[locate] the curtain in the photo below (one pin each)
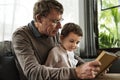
(13, 14)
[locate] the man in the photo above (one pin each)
(32, 43)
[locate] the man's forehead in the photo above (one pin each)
(54, 14)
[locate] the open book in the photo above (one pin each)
(106, 59)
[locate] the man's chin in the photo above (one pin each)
(51, 35)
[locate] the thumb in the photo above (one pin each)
(95, 63)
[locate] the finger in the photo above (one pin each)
(95, 63)
(94, 73)
(87, 76)
(96, 69)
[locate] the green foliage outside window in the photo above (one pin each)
(109, 25)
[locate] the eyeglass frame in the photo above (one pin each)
(55, 21)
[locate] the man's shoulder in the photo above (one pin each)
(24, 31)
(21, 29)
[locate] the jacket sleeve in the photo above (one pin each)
(80, 60)
(30, 66)
(52, 59)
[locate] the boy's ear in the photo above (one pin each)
(61, 37)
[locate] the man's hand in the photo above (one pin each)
(88, 70)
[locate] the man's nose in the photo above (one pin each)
(59, 25)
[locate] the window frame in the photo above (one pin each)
(97, 30)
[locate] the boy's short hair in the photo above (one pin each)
(71, 27)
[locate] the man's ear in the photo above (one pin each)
(38, 18)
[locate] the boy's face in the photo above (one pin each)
(70, 42)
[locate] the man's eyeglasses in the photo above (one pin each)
(55, 21)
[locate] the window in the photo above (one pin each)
(71, 14)
(109, 24)
(109, 4)
(13, 14)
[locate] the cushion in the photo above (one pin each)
(115, 68)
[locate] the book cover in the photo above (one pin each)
(106, 59)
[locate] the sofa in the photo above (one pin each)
(9, 71)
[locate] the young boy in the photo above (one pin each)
(63, 54)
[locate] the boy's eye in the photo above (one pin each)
(77, 42)
(71, 41)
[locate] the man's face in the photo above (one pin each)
(71, 41)
(51, 23)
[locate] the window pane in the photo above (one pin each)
(14, 13)
(106, 4)
(109, 25)
(71, 11)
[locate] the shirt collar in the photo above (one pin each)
(35, 30)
